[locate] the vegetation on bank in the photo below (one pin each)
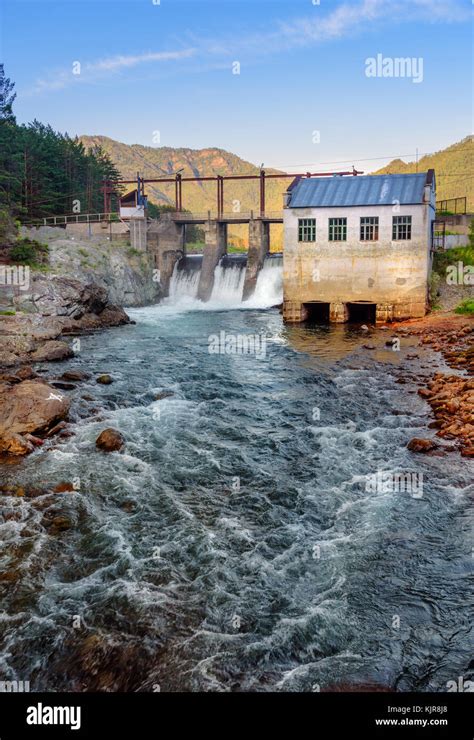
(466, 307)
(43, 172)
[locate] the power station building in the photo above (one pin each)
(358, 247)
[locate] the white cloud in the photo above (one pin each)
(91, 71)
(343, 21)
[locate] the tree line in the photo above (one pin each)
(47, 173)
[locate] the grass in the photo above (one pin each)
(8, 312)
(466, 307)
(442, 260)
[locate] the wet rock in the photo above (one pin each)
(163, 394)
(75, 376)
(57, 524)
(56, 429)
(63, 386)
(30, 407)
(52, 351)
(129, 506)
(104, 379)
(421, 445)
(63, 487)
(110, 440)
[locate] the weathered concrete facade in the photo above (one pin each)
(215, 247)
(259, 246)
(392, 274)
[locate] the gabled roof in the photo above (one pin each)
(365, 190)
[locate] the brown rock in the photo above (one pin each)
(30, 407)
(63, 487)
(74, 375)
(52, 351)
(110, 440)
(421, 445)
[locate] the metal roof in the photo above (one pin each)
(365, 190)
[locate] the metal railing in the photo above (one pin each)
(452, 205)
(226, 216)
(78, 218)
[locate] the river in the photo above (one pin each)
(235, 543)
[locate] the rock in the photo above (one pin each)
(36, 441)
(63, 487)
(421, 445)
(104, 379)
(30, 407)
(75, 376)
(63, 386)
(369, 346)
(52, 351)
(57, 428)
(15, 444)
(163, 394)
(364, 327)
(57, 524)
(26, 373)
(110, 440)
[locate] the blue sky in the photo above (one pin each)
(168, 67)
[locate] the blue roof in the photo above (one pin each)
(365, 190)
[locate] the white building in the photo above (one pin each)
(358, 247)
(132, 205)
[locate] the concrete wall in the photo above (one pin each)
(165, 242)
(392, 274)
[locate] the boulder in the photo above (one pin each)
(110, 440)
(104, 379)
(52, 351)
(421, 445)
(30, 407)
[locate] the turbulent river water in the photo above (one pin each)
(235, 544)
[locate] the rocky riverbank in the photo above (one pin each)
(451, 396)
(81, 288)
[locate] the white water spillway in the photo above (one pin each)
(229, 278)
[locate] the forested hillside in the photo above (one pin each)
(43, 172)
(454, 168)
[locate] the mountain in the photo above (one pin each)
(153, 162)
(454, 167)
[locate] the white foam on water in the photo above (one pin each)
(227, 290)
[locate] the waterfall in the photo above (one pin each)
(229, 279)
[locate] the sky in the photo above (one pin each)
(292, 84)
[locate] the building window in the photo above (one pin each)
(306, 229)
(337, 229)
(401, 228)
(369, 228)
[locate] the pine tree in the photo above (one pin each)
(7, 96)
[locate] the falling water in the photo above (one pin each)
(229, 280)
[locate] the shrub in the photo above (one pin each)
(466, 307)
(29, 252)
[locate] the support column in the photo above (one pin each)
(338, 313)
(166, 244)
(138, 234)
(215, 248)
(259, 245)
(294, 312)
